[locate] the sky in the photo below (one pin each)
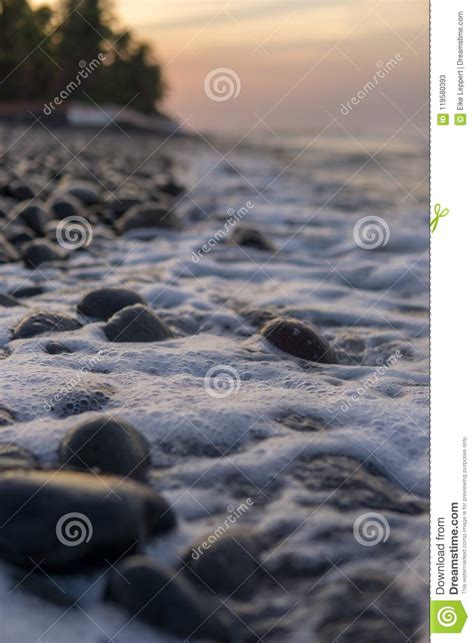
(291, 64)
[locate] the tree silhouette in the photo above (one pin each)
(43, 51)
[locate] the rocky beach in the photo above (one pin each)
(214, 401)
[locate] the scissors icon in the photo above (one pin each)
(439, 214)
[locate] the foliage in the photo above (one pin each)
(42, 51)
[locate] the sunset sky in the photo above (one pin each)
(296, 60)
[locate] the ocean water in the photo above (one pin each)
(349, 225)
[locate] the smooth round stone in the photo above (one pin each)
(33, 214)
(7, 301)
(298, 339)
(56, 348)
(35, 253)
(163, 598)
(18, 234)
(105, 302)
(147, 215)
(170, 187)
(68, 520)
(44, 322)
(20, 190)
(26, 292)
(136, 324)
(109, 445)
(13, 456)
(251, 238)
(227, 565)
(65, 205)
(84, 191)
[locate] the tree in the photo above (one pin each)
(81, 31)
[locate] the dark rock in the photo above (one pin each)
(33, 214)
(170, 187)
(147, 215)
(298, 339)
(13, 456)
(80, 400)
(136, 324)
(18, 234)
(84, 191)
(25, 292)
(105, 302)
(348, 486)
(44, 322)
(44, 513)
(252, 238)
(35, 253)
(109, 445)
(169, 601)
(366, 604)
(20, 190)
(123, 201)
(6, 416)
(7, 301)
(65, 205)
(227, 564)
(56, 348)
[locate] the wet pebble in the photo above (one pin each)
(298, 339)
(44, 513)
(226, 564)
(102, 303)
(56, 348)
(251, 238)
(109, 445)
(166, 599)
(44, 322)
(33, 214)
(147, 215)
(37, 252)
(136, 324)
